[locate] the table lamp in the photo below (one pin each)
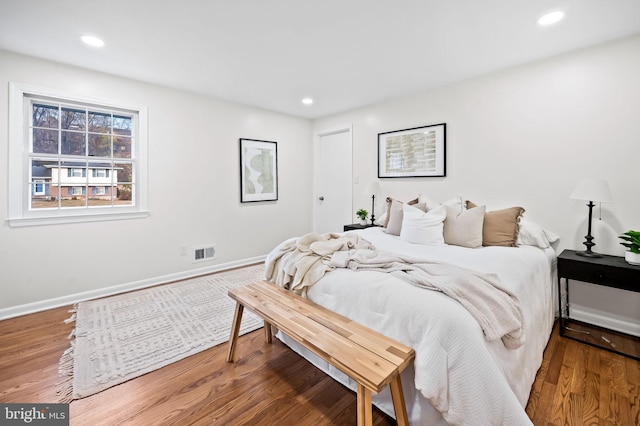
(591, 190)
(372, 189)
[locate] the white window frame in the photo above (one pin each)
(19, 165)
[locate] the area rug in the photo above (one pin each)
(122, 337)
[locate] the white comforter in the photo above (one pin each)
(458, 377)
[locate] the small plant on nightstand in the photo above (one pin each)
(362, 214)
(632, 242)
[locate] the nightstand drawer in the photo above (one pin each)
(596, 274)
(609, 271)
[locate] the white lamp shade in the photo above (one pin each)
(590, 189)
(373, 188)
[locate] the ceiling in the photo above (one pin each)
(271, 53)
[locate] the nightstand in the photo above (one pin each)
(607, 271)
(356, 226)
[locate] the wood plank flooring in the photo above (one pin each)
(270, 384)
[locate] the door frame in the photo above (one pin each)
(316, 166)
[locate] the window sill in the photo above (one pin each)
(58, 220)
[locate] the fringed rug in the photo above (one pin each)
(125, 336)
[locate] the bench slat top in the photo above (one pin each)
(368, 357)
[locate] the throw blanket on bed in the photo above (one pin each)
(298, 263)
(494, 307)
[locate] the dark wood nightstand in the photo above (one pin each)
(607, 271)
(356, 226)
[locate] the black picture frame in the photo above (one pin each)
(258, 170)
(414, 152)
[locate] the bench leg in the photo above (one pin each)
(365, 413)
(267, 332)
(235, 330)
(398, 401)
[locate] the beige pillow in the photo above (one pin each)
(464, 228)
(500, 227)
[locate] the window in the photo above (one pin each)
(74, 160)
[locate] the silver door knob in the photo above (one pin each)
(321, 198)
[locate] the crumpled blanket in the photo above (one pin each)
(298, 263)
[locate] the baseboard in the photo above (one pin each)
(30, 308)
(605, 319)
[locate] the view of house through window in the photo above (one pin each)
(80, 156)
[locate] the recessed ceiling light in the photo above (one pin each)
(92, 41)
(307, 101)
(551, 18)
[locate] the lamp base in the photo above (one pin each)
(588, 254)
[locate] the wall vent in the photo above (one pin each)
(204, 253)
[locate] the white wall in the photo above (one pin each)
(194, 192)
(525, 136)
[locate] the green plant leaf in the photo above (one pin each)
(632, 239)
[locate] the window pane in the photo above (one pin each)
(73, 196)
(124, 195)
(99, 122)
(45, 141)
(121, 125)
(72, 143)
(99, 145)
(124, 176)
(121, 147)
(124, 172)
(43, 193)
(73, 119)
(100, 195)
(45, 116)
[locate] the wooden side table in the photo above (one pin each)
(607, 271)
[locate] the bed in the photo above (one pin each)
(459, 376)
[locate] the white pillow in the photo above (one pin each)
(382, 220)
(427, 202)
(532, 234)
(456, 202)
(394, 222)
(423, 228)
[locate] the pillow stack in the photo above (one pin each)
(460, 223)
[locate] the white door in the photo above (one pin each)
(333, 181)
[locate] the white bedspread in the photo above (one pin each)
(458, 377)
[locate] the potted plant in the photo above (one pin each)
(632, 242)
(362, 214)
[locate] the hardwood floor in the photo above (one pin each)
(270, 384)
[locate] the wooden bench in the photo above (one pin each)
(371, 359)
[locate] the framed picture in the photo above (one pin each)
(416, 152)
(258, 170)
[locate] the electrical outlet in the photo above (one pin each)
(183, 250)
